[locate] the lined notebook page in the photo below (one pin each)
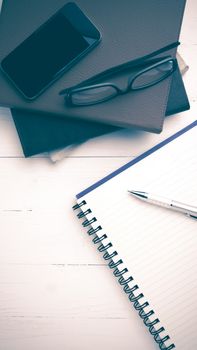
(157, 245)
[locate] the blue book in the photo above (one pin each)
(40, 132)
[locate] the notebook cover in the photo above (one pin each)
(136, 160)
(130, 29)
(39, 132)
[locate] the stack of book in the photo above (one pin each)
(130, 30)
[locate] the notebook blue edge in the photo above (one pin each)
(136, 160)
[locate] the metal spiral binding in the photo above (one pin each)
(135, 299)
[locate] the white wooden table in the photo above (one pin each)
(55, 290)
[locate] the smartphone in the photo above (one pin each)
(52, 49)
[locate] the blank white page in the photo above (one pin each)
(157, 245)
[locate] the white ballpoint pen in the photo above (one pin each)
(187, 209)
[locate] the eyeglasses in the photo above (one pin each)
(99, 93)
(148, 74)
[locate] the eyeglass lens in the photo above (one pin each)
(103, 93)
(153, 75)
(93, 95)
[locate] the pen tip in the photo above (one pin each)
(138, 194)
(134, 191)
(131, 191)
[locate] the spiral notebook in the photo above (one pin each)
(151, 250)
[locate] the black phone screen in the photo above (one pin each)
(52, 48)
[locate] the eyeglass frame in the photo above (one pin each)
(119, 68)
(129, 87)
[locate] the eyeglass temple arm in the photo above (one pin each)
(120, 67)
